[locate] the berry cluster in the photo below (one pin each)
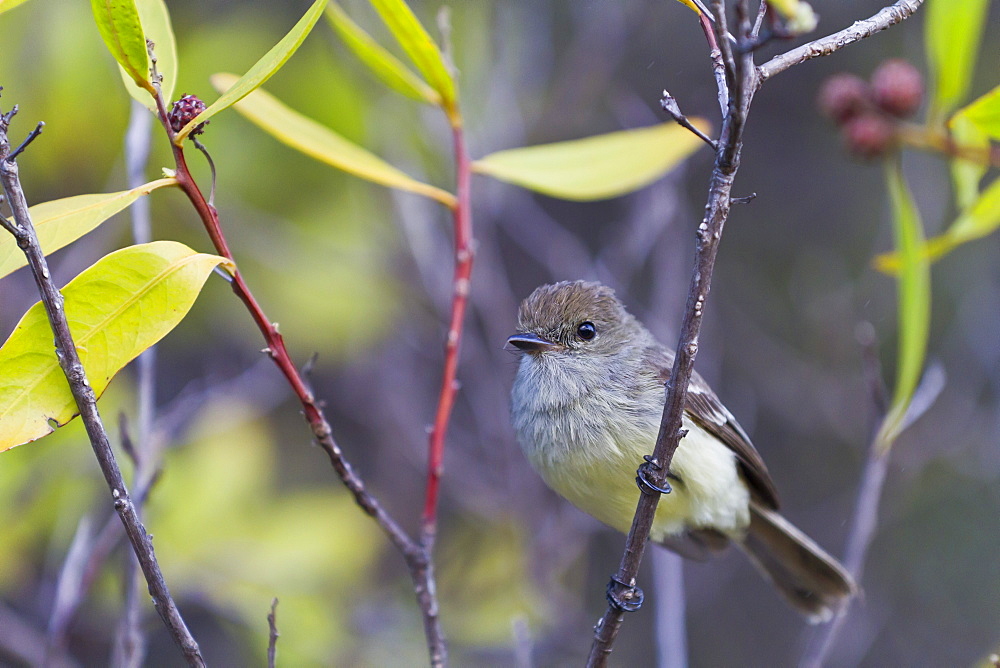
(868, 113)
(184, 110)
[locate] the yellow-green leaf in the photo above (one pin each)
(967, 174)
(119, 25)
(914, 304)
(952, 31)
(799, 16)
(595, 167)
(977, 221)
(421, 49)
(157, 28)
(63, 221)
(320, 142)
(123, 304)
(9, 4)
(383, 64)
(984, 113)
(262, 70)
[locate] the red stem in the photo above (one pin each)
(417, 554)
(462, 213)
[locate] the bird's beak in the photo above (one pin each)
(531, 343)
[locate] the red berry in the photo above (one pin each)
(870, 135)
(184, 110)
(899, 88)
(843, 96)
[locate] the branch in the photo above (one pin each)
(742, 81)
(709, 235)
(415, 554)
(86, 402)
(272, 634)
(886, 18)
(864, 522)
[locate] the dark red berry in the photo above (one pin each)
(899, 88)
(844, 96)
(870, 135)
(184, 110)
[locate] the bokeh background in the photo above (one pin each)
(246, 509)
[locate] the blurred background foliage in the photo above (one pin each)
(246, 509)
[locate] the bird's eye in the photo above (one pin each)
(586, 330)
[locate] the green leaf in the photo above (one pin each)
(117, 308)
(595, 167)
(977, 221)
(799, 16)
(63, 221)
(118, 23)
(262, 70)
(156, 25)
(980, 219)
(953, 30)
(967, 174)
(914, 304)
(984, 113)
(383, 64)
(320, 142)
(9, 4)
(421, 49)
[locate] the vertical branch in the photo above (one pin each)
(741, 81)
(129, 644)
(462, 214)
(86, 401)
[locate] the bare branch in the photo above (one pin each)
(887, 17)
(742, 81)
(86, 401)
(272, 634)
(866, 509)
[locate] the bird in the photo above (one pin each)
(586, 404)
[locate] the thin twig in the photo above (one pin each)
(86, 402)
(130, 644)
(69, 590)
(669, 104)
(671, 631)
(887, 17)
(272, 634)
(27, 140)
(864, 521)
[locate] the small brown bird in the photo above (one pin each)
(586, 406)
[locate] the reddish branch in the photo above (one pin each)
(416, 553)
(462, 213)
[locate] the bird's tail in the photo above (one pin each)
(813, 582)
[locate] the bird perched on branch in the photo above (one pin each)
(586, 406)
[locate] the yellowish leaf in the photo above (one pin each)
(383, 64)
(119, 25)
(914, 305)
(262, 70)
(596, 167)
(421, 49)
(118, 307)
(322, 143)
(156, 26)
(63, 221)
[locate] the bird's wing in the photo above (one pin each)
(705, 409)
